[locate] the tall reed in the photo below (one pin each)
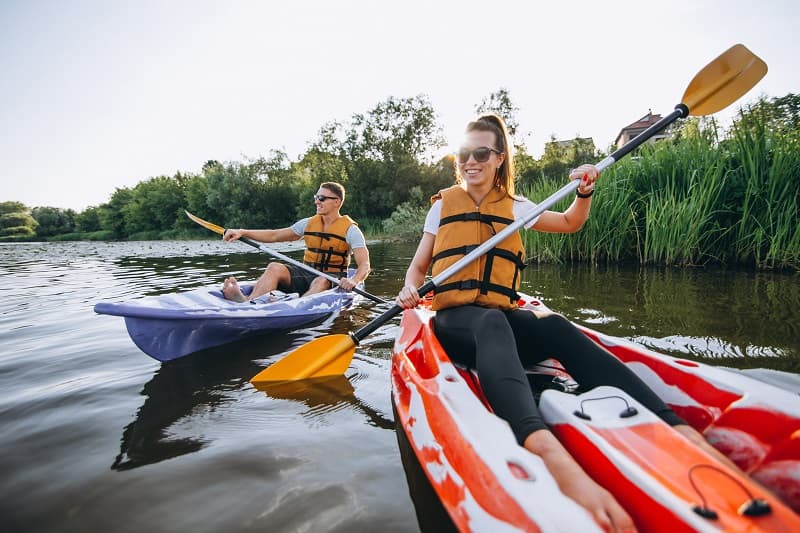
(682, 203)
(692, 200)
(766, 165)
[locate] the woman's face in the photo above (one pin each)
(477, 173)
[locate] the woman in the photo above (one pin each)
(477, 319)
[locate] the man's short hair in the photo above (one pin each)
(335, 188)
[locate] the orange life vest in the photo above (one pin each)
(491, 280)
(327, 249)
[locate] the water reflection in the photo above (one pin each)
(209, 379)
(179, 387)
(324, 395)
(738, 318)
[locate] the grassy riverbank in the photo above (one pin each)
(692, 201)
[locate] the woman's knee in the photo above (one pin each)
(557, 323)
(492, 320)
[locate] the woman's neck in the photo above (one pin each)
(479, 192)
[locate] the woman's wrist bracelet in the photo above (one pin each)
(580, 194)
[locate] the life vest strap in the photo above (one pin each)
(475, 215)
(328, 252)
(326, 236)
(470, 284)
(459, 250)
(326, 267)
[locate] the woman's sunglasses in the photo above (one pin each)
(481, 154)
(322, 197)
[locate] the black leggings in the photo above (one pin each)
(499, 344)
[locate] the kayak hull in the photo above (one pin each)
(484, 484)
(175, 325)
(474, 464)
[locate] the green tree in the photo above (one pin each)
(13, 207)
(238, 193)
(528, 168)
(779, 114)
(384, 153)
(195, 191)
(16, 222)
(398, 127)
(53, 221)
(275, 175)
(314, 167)
(88, 220)
(112, 216)
(155, 204)
(501, 104)
(561, 156)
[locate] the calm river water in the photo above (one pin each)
(96, 436)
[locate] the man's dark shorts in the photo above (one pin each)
(302, 278)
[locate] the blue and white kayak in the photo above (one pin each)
(174, 325)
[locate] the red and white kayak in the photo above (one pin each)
(487, 482)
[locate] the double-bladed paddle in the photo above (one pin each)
(716, 86)
(266, 249)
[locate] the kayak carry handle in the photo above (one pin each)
(628, 412)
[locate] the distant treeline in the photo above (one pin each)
(702, 196)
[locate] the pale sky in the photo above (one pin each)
(101, 94)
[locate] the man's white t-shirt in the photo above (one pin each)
(522, 206)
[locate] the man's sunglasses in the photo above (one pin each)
(481, 154)
(322, 197)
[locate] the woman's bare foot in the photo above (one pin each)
(576, 483)
(231, 290)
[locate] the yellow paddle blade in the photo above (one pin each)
(206, 224)
(723, 81)
(326, 356)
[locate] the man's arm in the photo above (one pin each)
(262, 235)
(361, 255)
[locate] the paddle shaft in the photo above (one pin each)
(679, 112)
(335, 281)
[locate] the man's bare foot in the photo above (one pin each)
(231, 290)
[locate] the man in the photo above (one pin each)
(330, 238)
